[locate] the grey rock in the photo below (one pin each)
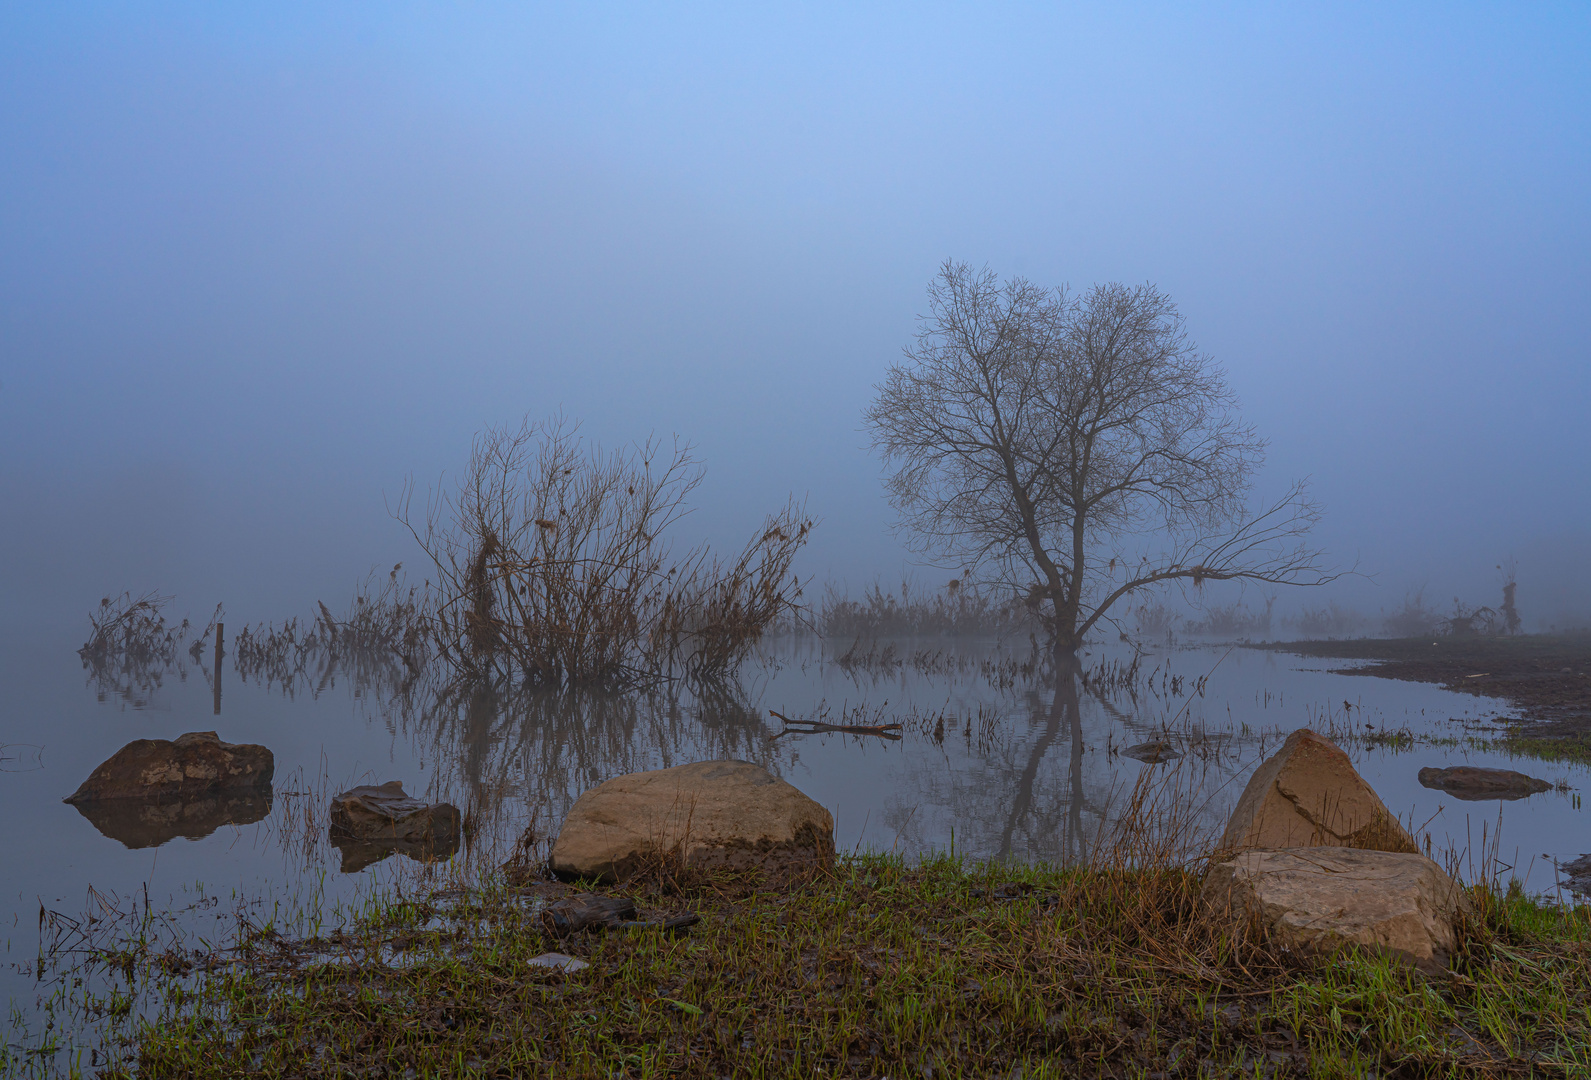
(385, 812)
(1152, 753)
(1475, 784)
(372, 821)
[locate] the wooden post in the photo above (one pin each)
(220, 632)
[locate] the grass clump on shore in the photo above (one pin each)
(879, 968)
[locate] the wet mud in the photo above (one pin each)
(1546, 677)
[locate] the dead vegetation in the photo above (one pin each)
(380, 643)
(960, 609)
(555, 567)
(132, 649)
(1113, 967)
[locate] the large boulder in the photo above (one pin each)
(1307, 794)
(1474, 784)
(195, 764)
(1321, 899)
(710, 815)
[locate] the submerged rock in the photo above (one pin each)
(708, 815)
(1475, 784)
(1152, 753)
(143, 823)
(1577, 875)
(195, 764)
(372, 821)
(1308, 794)
(1321, 899)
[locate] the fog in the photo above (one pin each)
(258, 268)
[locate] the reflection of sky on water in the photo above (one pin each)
(992, 770)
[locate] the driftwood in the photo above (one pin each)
(815, 727)
(586, 911)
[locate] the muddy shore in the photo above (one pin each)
(1545, 677)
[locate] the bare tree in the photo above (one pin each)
(1078, 449)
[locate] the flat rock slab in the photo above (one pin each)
(1308, 794)
(384, 813)
(1475, 784)
(1321, 899)
(709, 815)
(195, 764)
(145, 823)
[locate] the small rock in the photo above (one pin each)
(384, 812)
(1307, 794)
(711, 814)
(195, 764)
(558, 961)
(1320, 899)
(1577, 875)
(145, 823)
(1152, 753)
(1475, 784)
(370, 822)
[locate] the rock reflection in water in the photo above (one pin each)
(142, 823)
(359, 854)
(541, 749)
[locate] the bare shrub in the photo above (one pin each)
(1154, 618)
(555, 568)
(1467, 621)
(1234, 620)
(960, 609)
(1331, 621)
(133, 630)
(380, 644)
(1413, 619)
(131, 647)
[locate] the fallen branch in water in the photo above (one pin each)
(815, 727)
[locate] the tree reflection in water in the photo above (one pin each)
(509, 755)
(527, 754)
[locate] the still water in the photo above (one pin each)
(988, 763)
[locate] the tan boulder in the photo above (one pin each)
(1308, 794)
(711, 814)
(1321, 899)
(195, 764)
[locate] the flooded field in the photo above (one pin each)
(990, 761)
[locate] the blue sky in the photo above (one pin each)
(260, 264)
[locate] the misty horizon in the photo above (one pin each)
(260, 271)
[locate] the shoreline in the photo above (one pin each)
(1546, 678)
(871, 968)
